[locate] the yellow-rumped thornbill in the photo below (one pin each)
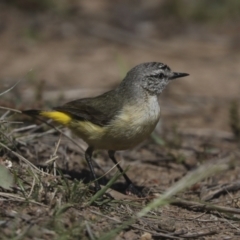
(119, 119)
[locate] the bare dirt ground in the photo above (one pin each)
(74, 58)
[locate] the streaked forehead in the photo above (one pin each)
(150, 67)
(156, 66)
(165, 67)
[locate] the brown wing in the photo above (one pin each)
(99, 110)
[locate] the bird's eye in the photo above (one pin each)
(161, 75)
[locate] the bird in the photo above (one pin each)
(118, 119)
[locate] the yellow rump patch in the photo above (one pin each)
(56, 116)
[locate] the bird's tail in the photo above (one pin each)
(32, 112)
(56, 116)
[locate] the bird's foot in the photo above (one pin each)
(132, 190)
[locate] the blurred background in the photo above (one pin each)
(67, 49)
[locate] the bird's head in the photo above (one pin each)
(153, 76)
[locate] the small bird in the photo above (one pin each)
(118, 119)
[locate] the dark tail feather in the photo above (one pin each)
(32, 112)
(35, 114)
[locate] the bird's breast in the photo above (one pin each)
(134, 122)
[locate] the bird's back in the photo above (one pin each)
(99, 110)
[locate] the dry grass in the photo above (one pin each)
(52, 196)
(190, 173)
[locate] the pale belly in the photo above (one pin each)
(127, 137)
(131, 127)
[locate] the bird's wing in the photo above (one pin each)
(98, 110)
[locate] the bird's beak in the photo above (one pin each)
(178, 75)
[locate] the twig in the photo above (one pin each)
(18, 198)
(35, 135)
(23, 128)
(199, 234)
(200, 215)
(203, 206)
(109, 170)
(31, 190)
(226, 220)
(205, 132)
(39, 126)
(10, 122)
(136, 227)
(51, 159)
(4, 115)
(9, 89)
(55, 155)
(23, 158)
(217, 190)
(10, 109)
(89, 231)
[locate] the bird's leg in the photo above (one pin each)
(131, 188)
(111, 155)
(88, 156)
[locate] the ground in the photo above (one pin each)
(199, 127)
